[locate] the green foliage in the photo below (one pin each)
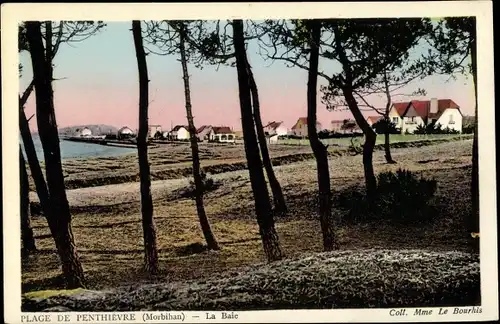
(383, 126)
(401, 197)
(158, 135)
(434, 128)
(452, 40)
(468, 129)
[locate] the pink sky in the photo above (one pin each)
(103, 89)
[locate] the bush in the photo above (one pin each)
(383, 126)
(433, 128)
(401, 197)
(189, 192)
(468, 129)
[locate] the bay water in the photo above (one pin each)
(71, 150)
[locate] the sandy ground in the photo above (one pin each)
(108, 233)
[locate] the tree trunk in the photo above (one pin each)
(278, 197)
(387, 144)
(319, 150)
(474, 222)
(368, 146)
(198, 182)
(370, 135)
(60, 217)
(34, 164)
(26, 231)
(263, 211)
(387, 148)
(150, 249)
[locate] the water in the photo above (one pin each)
(70, 150)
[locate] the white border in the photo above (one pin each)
(13, 13)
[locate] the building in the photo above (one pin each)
(300, 127)
(409, 115)
(345, 126)
(179, 132)
(125, 132)
(84, 132)
(275, 128)
(223, 134)
(205, 133)
(153, 129)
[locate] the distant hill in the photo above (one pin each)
(99, 129)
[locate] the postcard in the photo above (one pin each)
(249, 162)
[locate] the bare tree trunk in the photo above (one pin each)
(265, 218)
(474, 222)
(387, 144)
(279, 199)
(60, 217)
(150, 248)
(198, 182)
(27, 237)
(370, 135)
(319, 150)
(368, 146)
(36, 171)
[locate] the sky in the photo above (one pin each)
(98, 84)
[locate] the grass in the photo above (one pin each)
(108, 233)
(173, 161)
(394, 138)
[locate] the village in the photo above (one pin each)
(252, 165)
(406, 118)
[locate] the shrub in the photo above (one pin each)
(189, 191)
(433, 128)
(383, 126)
(401, 197)
(331, 280)
(468, 129)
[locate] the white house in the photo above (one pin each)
(223, 134)
(84, 132)
(276, 128)
(300, 127)
(179, 132)
(409, 115)
(125, 132)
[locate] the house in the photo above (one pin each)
(275, 128)
(223, 134)
(153, 129)
(409, 115)
(300, 127)
(205, 133)
(179, 132)
(125, 132)
(345, 126)
(84, 132)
